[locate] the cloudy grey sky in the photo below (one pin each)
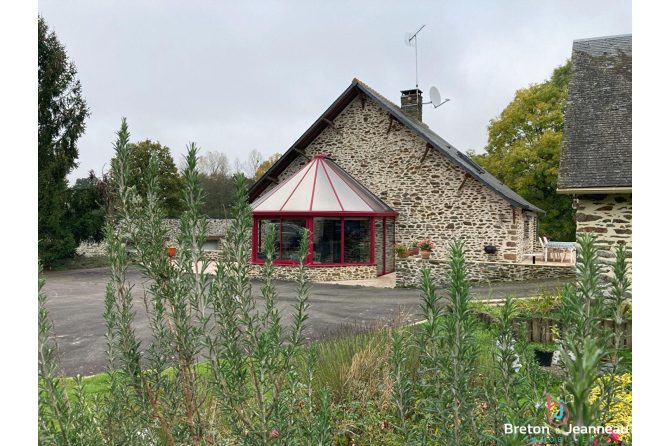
(237, 76)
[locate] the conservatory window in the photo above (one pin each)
(327, 240)
(357, 239)
(288, 234)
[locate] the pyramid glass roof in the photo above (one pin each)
(320, 187)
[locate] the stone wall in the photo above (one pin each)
(610, 219)
(434, 198)
(215, 228)
(408, 271)
(320, 273)
(92, 249)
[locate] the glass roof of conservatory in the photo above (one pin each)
(321, 186)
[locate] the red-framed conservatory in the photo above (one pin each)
(348, 224)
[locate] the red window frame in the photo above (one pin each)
(310, 226)
(255, 241)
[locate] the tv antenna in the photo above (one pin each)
(413, 40)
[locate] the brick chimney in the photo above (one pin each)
(411, 103)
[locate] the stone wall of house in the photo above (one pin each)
(408, 271)
(215, 228)
(610, 219)
(434, 198)
(318, 274)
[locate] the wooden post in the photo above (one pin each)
(536, 330)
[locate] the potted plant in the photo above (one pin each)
(401, 251)
(538, 310)
(544, 356)
(425, 247)
(413, 249)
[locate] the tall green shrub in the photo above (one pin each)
(449, 353)
(220, 367)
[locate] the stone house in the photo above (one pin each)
(437, 192)
(596, 152)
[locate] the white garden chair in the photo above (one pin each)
(549, 251)
(543, 243)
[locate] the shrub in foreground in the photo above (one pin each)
(223, 369)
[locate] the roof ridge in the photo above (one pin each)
(397, 107)
(356, 80)
(587, 39)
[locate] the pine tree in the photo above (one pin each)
(62, 112)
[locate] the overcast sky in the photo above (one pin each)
(255, 75)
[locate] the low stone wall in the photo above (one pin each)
(408, 271)
(89, 249)
(319, 273)
(215, 228)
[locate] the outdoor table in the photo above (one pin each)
(563, 245)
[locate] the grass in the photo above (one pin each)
(98, 384)
(95, 385)
(352, 361)
(77, 262)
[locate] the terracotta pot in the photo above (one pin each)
(415, 251)
(425, 254)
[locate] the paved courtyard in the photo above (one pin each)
(76, 304)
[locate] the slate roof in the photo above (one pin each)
(597, 137)
(352, 93)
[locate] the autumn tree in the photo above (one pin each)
(169, 181)
(524, 148)
(265, 165)
(61, 116)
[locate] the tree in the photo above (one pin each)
(250, 166)
(169, 181)
(214, 164)
(524, 148)
(85, 214)
(219, 194)
(62, 112)
(265, 165)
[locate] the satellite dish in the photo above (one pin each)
(436, 97)
(408, 39)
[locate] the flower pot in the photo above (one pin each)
(543, 357)
(415, 251)
(425, 254)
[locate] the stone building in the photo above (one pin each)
(438, 192)
(596, 153)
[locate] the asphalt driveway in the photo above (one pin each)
(76, 304)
